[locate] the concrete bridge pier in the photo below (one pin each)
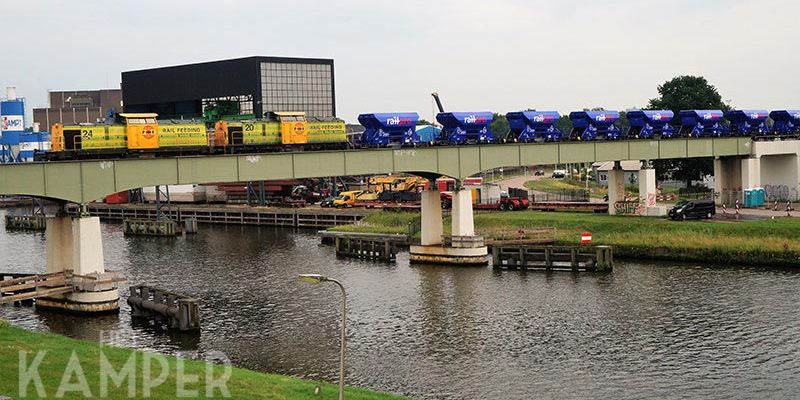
(645, 204)
(734, 174)
(75, 243)
(616, 188)
(462, 246)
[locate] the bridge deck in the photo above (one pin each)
(88, 180)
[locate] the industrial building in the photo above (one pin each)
(252, 85)
(78, 106)
(16, 143)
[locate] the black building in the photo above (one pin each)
(258, 84)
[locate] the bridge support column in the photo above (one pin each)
(431, 230)
(462, 221)
(616, 187)
(76, 244)
(648, 193)
(462, 247)
(732, 175)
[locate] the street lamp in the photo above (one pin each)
(317, 278)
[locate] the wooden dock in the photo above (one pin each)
(16, 288)
(575, 258)
(230, 215)
(174, 310)
(368, 246)
(36, 222)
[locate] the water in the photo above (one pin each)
(655, 330)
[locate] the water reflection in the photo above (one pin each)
(646, 330)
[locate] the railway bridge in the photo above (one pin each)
(74, 244)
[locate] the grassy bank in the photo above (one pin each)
(766, 242)
(243, 384)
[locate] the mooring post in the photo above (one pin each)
(573, 255)
(604, 256)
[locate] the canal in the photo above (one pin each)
(656, 330)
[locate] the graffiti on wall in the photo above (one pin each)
(627, 207)
(780, 193)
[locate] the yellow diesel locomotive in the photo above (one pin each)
(137, 134)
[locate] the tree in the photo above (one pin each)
(423, 121)
(686, 93)
(499, 126)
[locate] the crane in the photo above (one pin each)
(438, 101)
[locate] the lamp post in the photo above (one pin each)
(317, 278)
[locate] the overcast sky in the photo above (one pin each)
(498, 55)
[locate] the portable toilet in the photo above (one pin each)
(749, 201)
(649, 124)
(590, 125)
(382, 129)
(533, 126)
(748, 122)
(785, 122)
(761, 197)
(465, 127)
(702, 123)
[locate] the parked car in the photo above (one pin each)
(538, 172)
(327, 202)
(559, 174)
(693, 209)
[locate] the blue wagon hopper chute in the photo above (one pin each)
(785, 122)
(591, 125)
(748, 122)
(381, 129)
(702, 123)
(533, 126)
(465, 127)
(648, 124)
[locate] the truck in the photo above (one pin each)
(490, 197)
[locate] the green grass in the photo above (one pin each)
(550, 185)
(243, 384)
(765, 242)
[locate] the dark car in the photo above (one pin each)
(327, 202)
(693, 209)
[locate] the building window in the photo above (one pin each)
(297, 87)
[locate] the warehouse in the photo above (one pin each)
(252, 85)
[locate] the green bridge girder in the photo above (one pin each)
(88, 180)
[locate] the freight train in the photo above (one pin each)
(137, 135)
(143, 135)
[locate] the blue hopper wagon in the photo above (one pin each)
(785, 122)
(696, 123)
(591, 125)
(748, 122)
(533, 126)
(465, 127)
(649, 124)
(383, 129)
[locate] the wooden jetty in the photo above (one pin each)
(575, 258)
(16, 288)
(176, 311)
(369, 246)
(36, 222)
(229, 215)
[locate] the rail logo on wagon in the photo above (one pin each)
(600, 118)
(398, 121)
(471, 119)
(148, 131)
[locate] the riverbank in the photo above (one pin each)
(199, 377)
(770, 242)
